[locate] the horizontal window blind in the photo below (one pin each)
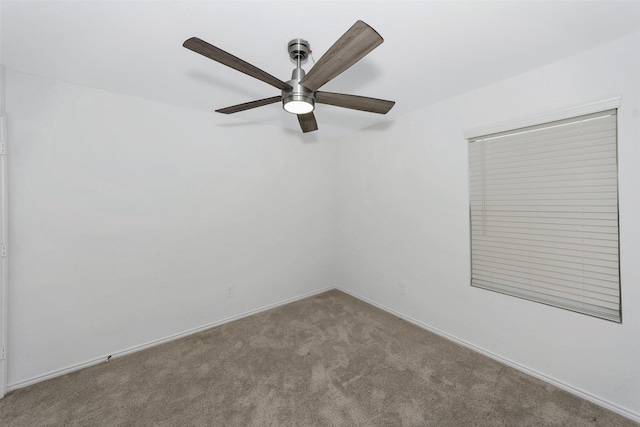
(544, 214)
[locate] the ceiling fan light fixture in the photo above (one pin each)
(298, 103)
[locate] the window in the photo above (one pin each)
(544, 213)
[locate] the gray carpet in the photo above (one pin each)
(328, 360)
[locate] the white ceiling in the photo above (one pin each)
(432, 50)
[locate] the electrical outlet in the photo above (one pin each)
(230, 291)
(403, 289)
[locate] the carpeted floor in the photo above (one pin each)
(328, 360)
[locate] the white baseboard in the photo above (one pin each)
(564, 386)
(159, 341)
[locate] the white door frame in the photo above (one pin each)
(3, 253)
(3, 237)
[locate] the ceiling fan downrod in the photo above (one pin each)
(298, 100)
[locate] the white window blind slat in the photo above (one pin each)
(570, 280)
(548, 127)
(552, 244)
(557, 143)
(555, 209)
(557, 216)
(575, 142)
(553, 143)
(549, 289)
(593, 226)
(602, 226)
(588, 171)
(539, 250)
(531, 145)
(546, 257)
(563, 157)
(604, 310)
(558, 167)
(576, 187)
(559, 203)
(500, 196)
(543, 179)
(552, 151)
(609, 274)
(583, 306)
(524, 233)
(542, 239)
(544, 214)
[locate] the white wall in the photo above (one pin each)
(129, 217)
(404, 218)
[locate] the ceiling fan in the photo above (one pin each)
(300, 94)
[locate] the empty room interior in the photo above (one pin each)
(448, 233)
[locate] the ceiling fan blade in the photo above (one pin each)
(359, 40)
(307, 122)
(219, 55)
(355, 102)
(249, 105)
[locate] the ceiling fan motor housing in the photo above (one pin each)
(298, 100)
